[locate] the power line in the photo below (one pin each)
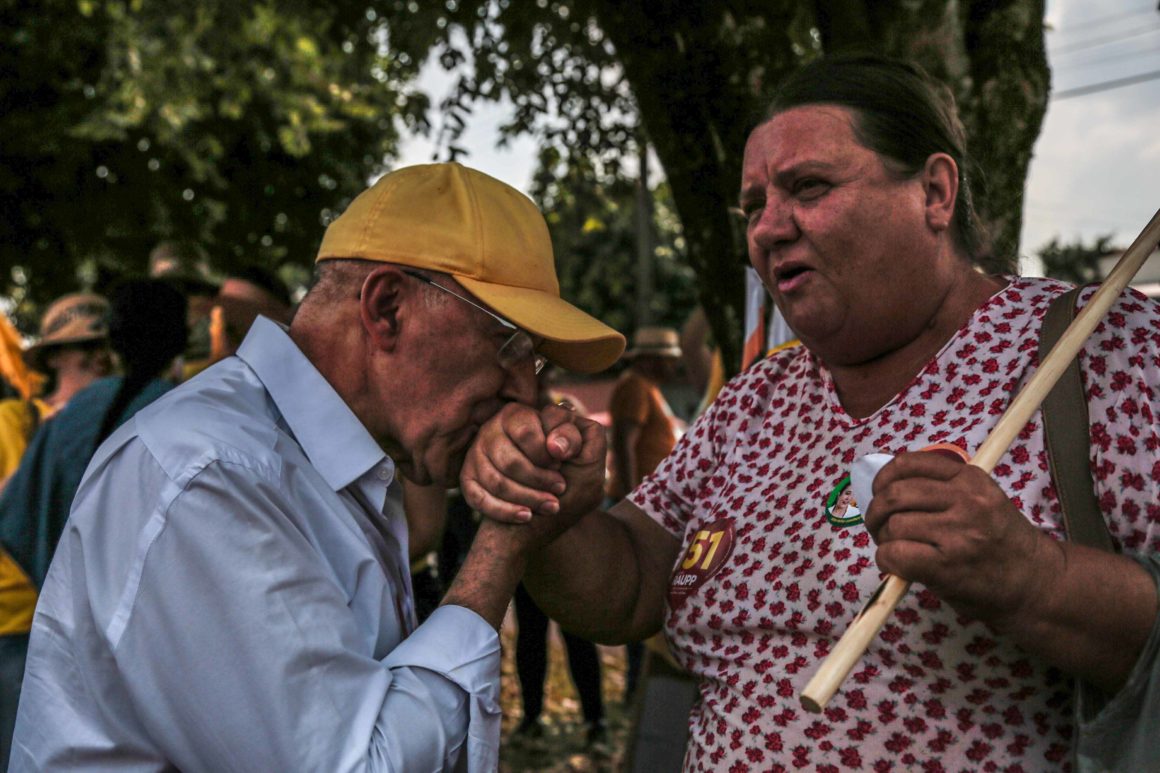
(1106, 85)
(1085, 25)
(1099, 41)
(1085, 63)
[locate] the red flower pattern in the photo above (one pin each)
(935, 691)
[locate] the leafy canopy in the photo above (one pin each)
(240, 127)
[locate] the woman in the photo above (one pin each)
(859, 221)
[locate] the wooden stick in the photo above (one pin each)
(853, 644)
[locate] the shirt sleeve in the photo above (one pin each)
(240, 648)
(1120, 734)
(697, 466)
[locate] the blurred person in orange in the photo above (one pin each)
(644, 430)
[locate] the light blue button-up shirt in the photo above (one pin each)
(232, 594)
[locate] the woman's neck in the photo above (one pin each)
(865, 387)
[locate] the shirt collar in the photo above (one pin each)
(331, 436)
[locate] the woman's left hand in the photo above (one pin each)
(949, 526)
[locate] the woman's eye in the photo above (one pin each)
(810, 187)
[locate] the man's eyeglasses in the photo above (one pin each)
(519, 347)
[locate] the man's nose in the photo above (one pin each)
(520, 383)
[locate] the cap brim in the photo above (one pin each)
(572, 339)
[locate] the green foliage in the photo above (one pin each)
(592, 214)
(243, 126)
(587, 77)
(237, 126)
(551, 59)
(1076, 261)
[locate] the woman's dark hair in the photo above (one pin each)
(147, 329)
(900, 113)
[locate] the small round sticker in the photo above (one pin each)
(841, 507)
(707, 553)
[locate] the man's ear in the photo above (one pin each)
(940, 181)
(380, 303)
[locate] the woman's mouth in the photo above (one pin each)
(791, 278)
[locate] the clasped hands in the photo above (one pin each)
(540, 468)
(935, 520)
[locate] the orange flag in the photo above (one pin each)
(12, 367)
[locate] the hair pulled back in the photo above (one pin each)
(900, 113)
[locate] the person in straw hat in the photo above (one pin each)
(643, 430)
(73, 351)
(249, 607)
(643, 426)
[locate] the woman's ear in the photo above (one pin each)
(940, 181)
(380, 303)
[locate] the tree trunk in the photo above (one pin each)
(1005, 109)
(701, 73)
(698, 94)
(992, 56)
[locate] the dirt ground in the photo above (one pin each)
(562, 749)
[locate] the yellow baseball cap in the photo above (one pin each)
(487, 235)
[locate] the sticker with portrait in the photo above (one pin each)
(841, 507)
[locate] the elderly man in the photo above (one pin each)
(232, 590)
(859, 221)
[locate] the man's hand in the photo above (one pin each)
(548, 461)
(949, 526)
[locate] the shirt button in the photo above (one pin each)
(384, 474)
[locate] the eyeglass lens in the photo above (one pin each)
(518, 349)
